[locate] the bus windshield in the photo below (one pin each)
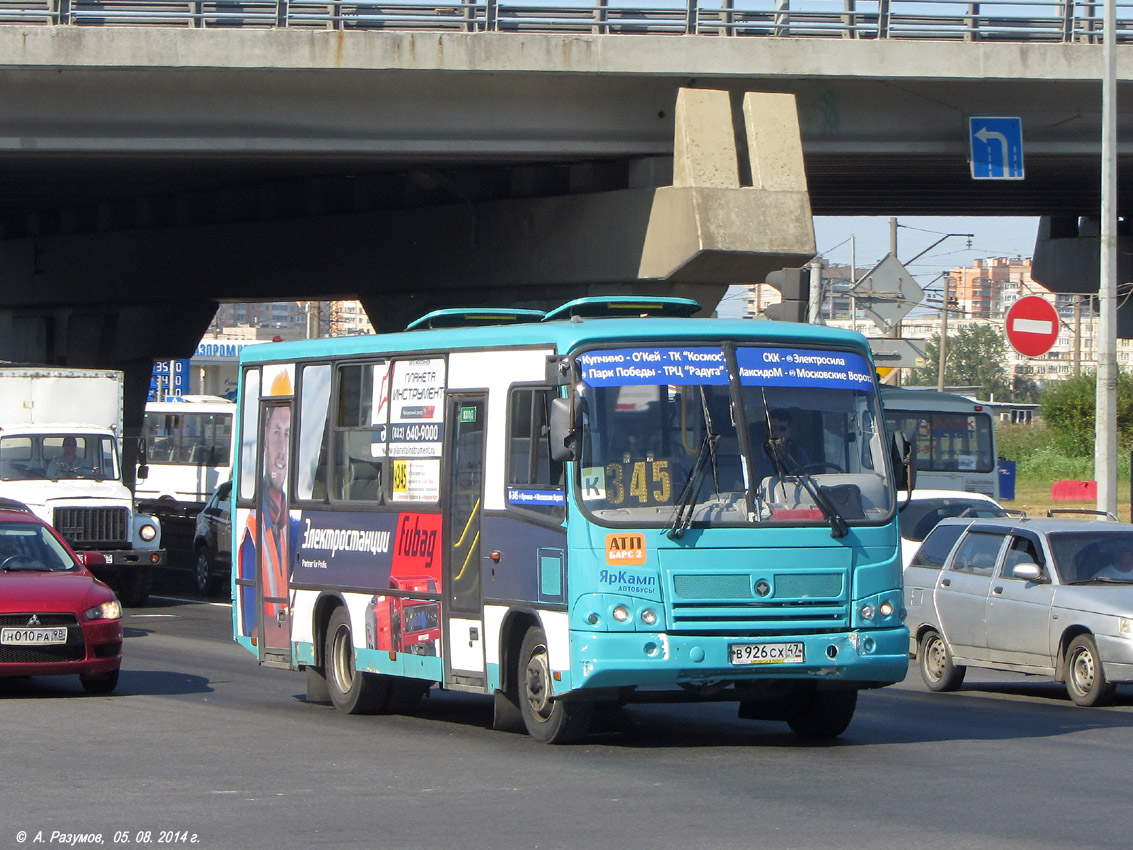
(727, 435)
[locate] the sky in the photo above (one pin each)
(866, 239)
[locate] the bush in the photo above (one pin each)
(1035, 450)
(1068, 409)
(1019, 442)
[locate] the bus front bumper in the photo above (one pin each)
(622, 659)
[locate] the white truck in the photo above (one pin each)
(60, 454)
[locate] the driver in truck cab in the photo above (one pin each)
(68, 463)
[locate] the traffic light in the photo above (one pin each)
(794, 286)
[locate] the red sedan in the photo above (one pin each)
(55, 617)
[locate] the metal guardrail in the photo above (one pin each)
(940, 20)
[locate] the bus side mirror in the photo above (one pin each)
(143, 472)
(561, 431)
(904, 456)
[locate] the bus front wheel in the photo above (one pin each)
(350, 690)
(826, 715)
(549, 720)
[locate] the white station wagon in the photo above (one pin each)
(1050, 597)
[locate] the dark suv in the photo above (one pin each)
(212, 541)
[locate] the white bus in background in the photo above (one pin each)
(188, 451)
(954, 436)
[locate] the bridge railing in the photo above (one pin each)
(943, 20)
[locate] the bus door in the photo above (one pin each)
(463, 620)
(275, 533)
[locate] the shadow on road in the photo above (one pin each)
(896, 716)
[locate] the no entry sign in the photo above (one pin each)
(1032, 326)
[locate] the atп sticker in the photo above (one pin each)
(625, 549)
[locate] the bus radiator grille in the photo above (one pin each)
(798, 602)
(785, 586)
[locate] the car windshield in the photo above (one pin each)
(30, 547)
(1083, 557)
(922, 515)
(708, 434)
(57, 456)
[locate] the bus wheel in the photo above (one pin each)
(404, 694)
(549, 720)
(350, 690)
(826, 715)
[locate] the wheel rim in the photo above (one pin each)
(342, 658)
(202, 570)
(536, 683)
(935, 658)
(1083, 670)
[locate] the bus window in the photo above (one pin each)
(359, 434)
(535, 482)
(313, 445)
(648, 446)
(248, 436)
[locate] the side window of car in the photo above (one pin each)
(1020, 551)
(934, 551)
(977, 553)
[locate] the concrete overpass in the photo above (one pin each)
(149, 171)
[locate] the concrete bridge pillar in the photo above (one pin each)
(723, 219)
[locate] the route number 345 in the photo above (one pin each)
(644, 482)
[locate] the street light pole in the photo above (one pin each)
(1105, 418)
(943, 335)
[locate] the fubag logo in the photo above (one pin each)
(625, 549)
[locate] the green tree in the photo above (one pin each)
(976, 357)
(1068, 409)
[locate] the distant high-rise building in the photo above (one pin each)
(306, 318)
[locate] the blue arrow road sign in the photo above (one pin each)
(996, 148)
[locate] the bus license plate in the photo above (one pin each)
(766, 653)
(33, 637)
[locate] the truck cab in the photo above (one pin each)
(70, 476)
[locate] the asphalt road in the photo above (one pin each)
(200, 747)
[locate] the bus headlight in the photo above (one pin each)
(886, 608)
(867, 612)
(649, 616)
(621, 614)
(147, 532)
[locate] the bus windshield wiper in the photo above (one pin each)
(682, 515)
(777, 449)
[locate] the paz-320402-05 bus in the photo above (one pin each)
(608, 503)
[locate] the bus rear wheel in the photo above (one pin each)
(350, 690)
(548, 720)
